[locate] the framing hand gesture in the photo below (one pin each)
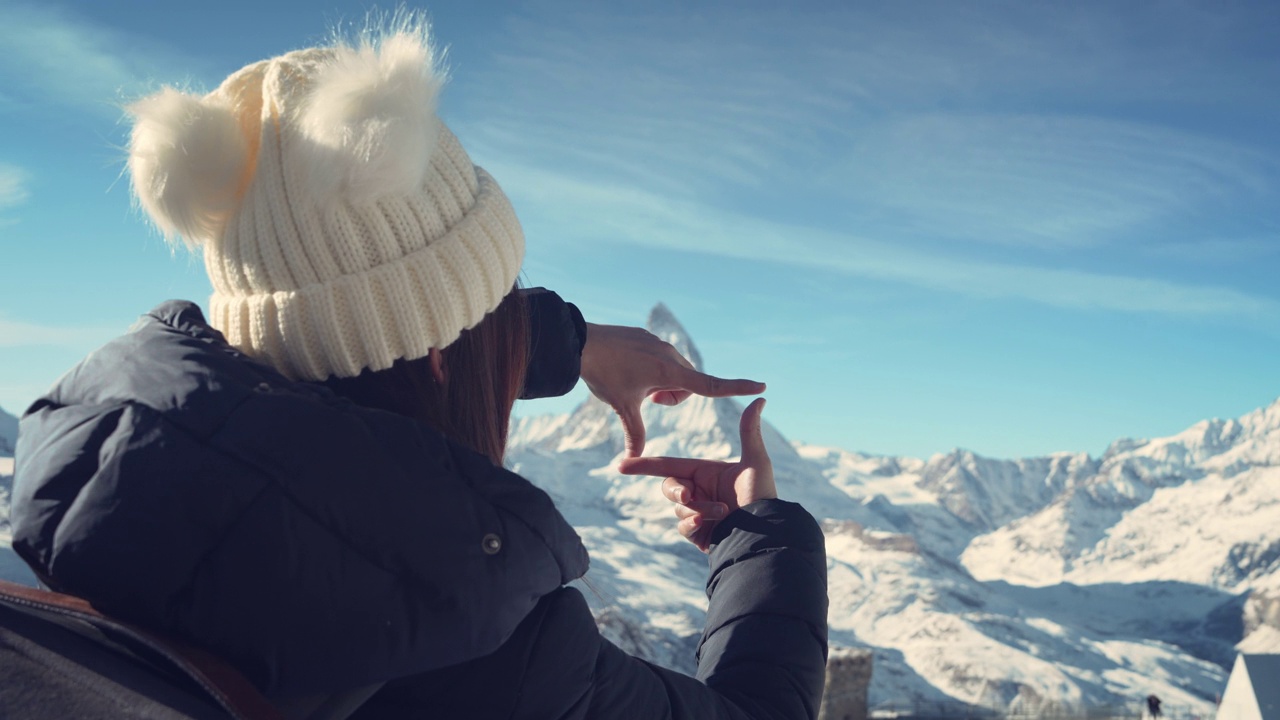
(624, 365)
(706, 491)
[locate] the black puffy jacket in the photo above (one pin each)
(319, 545)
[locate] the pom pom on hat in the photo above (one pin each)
(344, 227)
(370, 119)
(187, 158)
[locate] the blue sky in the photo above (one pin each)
(1013, 227)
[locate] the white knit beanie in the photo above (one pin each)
(343, 225)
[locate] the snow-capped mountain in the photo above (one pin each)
(8, 438)
(1199, 507)
(6, 489)
(1061, 580)
(8, 433)
(12, 568)
(1015, 584)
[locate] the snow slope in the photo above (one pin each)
(8, 433)
(12, 568)
(990, 582)
(1198, 507)
(1016, 584)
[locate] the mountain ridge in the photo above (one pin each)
(1003, 583)
(1020, 584)
(8, 433)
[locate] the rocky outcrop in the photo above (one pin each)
(848, 677)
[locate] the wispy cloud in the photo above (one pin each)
(13, 190)
(1043, 180)
(991, 152)
(918, 130)
(15, 333)
(53, 56)
(1223, 250)
(589, 211)
(1074, 56)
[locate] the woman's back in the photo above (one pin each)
(310, 541)
(310, 486)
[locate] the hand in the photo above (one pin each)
(624, 365)
(706, 491)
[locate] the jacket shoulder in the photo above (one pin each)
(181, 485)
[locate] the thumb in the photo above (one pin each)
(632, 427)
(753, 451)
(669, 397)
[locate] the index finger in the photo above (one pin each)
(662, 466)
(712, 386)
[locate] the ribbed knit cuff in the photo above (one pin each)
(400, 309)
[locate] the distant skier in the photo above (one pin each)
(1153, 706)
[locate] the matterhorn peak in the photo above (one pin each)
(665, 325)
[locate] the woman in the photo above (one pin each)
(310, 485)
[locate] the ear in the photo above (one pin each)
(436, 358)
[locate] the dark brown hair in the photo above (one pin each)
(484, 373)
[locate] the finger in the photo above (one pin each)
(700, 536)
(749, 429)
(707, 509)
(677, 490)
(670, 397)
(690, 525)
(674, 395)
(712, 386)
(632, 427)
(662, 466)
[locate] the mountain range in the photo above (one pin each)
(11, 566)
(1022, 585)
(1057, 581)
(8, 433)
